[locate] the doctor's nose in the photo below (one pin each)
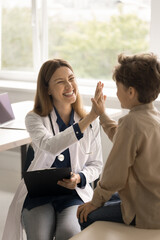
(68, 85)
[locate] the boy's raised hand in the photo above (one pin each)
(98, 102)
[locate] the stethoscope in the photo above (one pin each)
(61, 156)
(95, 140)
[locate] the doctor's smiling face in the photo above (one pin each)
(63, 87)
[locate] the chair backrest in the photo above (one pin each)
(29, 157)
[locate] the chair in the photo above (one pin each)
(29, 157)
(116, 231)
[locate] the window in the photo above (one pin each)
(90, 33)
(16, 35)
(87, 33)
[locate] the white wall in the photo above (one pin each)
(155, 29)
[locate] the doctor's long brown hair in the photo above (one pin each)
(43, 104)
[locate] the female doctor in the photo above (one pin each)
(74, 143)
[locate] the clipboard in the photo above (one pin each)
(44, 182)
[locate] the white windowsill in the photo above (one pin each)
(18, 85)
(85, 89)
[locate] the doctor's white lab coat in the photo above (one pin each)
(85, 156)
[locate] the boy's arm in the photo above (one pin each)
(115, 173)
(109, 125)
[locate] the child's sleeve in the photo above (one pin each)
(116, 169)
(109, 126)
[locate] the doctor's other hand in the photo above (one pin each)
(70, 183)
(84, 210)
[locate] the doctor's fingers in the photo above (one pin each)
(98, 91)
(67, 184)
(73, 179)
(98, 88)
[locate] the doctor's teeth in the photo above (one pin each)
(69, 93)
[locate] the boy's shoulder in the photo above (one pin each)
(128, 119)
(141, 118)
(130, 123)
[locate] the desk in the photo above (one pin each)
(14, 134)
(11, 138)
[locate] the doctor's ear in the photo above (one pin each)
(49, 92)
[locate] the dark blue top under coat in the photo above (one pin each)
(63, 201)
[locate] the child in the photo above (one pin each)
(132, 170)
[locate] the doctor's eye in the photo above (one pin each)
(71, 79)
(59, 82)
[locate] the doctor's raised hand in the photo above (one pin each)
(98, 107)
(98, 102)
(73, 142)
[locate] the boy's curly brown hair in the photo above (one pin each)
(141, 71)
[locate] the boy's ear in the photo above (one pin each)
(132, 92)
